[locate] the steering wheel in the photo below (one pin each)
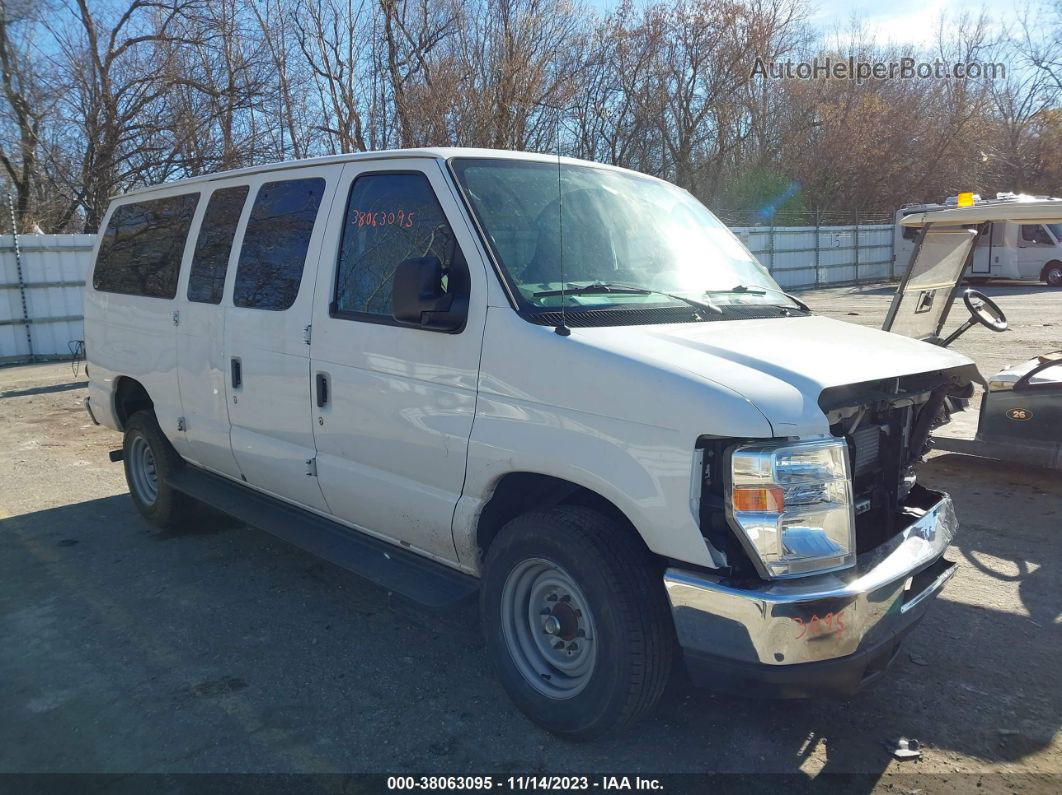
(984, 310)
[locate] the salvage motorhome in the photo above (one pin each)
(1002, 250)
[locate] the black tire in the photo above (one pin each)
(168, 508)
(1052, 274)
(630, 619)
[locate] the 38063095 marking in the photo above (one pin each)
(522, 783)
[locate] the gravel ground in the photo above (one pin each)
(219, 649)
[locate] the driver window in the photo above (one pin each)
(1034, 233)
(391, 217)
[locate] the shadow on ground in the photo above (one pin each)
(224, 650)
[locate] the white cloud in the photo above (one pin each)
(912, 22)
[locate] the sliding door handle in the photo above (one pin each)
(322, 390)
(237, 372)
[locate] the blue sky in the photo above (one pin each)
(899, 21)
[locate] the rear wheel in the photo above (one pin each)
(576, 621)
(1053, 274)
(149, 459)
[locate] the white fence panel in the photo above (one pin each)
(53, 274)
(813, 256)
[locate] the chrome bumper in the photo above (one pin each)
(814, 619)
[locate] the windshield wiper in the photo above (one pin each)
(758, 290)
(740, 288)
(589, 289)
(598, 288)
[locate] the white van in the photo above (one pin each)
(1003, 250)
(563, 386)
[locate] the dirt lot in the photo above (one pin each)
(219, 649)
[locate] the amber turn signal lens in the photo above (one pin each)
(749, 499)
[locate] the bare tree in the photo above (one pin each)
(412, 30)
(24, 110)
(114, 95)
(221, 81)
(119, 93)
(334, 37)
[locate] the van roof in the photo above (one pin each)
(432, 153)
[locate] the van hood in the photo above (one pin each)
(781, 365)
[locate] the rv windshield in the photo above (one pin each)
(618, 239)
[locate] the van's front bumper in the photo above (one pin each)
(824, 635)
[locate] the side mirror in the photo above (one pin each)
(418, 297)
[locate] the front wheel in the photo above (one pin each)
(576, 621)
(1053, 274)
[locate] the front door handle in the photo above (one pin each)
(322, 390)
(237, 373)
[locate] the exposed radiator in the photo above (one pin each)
(866, 442)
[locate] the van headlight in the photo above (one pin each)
(791, 505)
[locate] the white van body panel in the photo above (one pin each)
(995, 251)
(780, 365)
(393, 436)
(272, 427)
(136, 337)
(202, 367)
(572, 409)
(619, 410)
(1032, 256)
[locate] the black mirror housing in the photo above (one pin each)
(418, 297)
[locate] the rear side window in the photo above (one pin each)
(275, 243)
(206, 281)
(141, 248)
(390, 218)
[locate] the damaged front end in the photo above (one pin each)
(887, 424)
(757, 625)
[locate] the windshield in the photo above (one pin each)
(614, 239)
(1056, 230)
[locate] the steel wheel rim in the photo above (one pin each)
(1054, 276)
(548, 628)
(142, 470)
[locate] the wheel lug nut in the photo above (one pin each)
(551, 626)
